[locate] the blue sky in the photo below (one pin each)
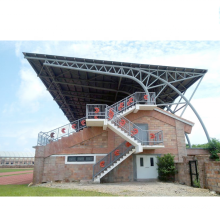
(27, 108)
(163, 32)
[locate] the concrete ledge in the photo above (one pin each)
(152, 147)
(196, 151)
(95, 122)
(145, 107)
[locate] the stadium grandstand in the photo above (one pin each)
(15, 159)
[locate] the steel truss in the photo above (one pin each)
(143, 76)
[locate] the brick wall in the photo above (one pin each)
(122, 173)
(212, 170)
(209, 172)
(173, 132)
(183, 175)
(94, 140)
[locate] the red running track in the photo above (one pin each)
(17, 179)
(10, 173)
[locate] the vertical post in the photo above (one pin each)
(190, 171)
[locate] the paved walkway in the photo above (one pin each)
(17, 179)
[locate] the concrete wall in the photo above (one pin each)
(94, 140)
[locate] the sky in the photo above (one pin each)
(27, 108)
(188, 36)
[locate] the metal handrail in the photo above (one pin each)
(153, 136)
(131, 100)
(45, 138)
(111, 158)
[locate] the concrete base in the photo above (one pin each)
(95, 122)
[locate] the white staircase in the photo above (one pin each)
(125, 136)
(111, 167)
(112, 117)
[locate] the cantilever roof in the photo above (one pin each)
(72, 89)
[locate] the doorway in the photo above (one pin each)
(146, 167)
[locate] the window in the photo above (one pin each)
(141, 161)
(152, 161)
(80, 158)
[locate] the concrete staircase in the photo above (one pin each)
(111, 167)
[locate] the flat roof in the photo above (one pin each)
(72, 89)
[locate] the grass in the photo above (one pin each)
(6, 170)
(24, 190)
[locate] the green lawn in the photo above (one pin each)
(24, 190)
(6, 170)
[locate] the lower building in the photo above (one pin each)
(93, 153)
(13, 159)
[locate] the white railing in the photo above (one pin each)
(144, 137)
(97, 111)
(45, 138)
(136, 98)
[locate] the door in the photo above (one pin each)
(146, 167)
(142, 133)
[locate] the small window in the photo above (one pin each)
(152, 161)
(80, 158)
(141, 161)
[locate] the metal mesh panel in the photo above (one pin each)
(95, 111)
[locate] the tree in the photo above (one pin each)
(214, 148)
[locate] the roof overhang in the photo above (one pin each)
(72, 88)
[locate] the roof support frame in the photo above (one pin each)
(128, 72)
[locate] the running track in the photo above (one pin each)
(17, 179)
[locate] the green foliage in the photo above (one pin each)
(196, 183)
(166, 168)
(198, 145)
(24, 190)
(214, 148)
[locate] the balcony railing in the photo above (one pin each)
(136, 98)
(45, 138)
(97, 111)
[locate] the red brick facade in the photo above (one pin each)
(50, 164)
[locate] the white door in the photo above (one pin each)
(146, 167)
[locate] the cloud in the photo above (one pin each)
(31, 89)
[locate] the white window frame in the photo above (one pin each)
(92, 162)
